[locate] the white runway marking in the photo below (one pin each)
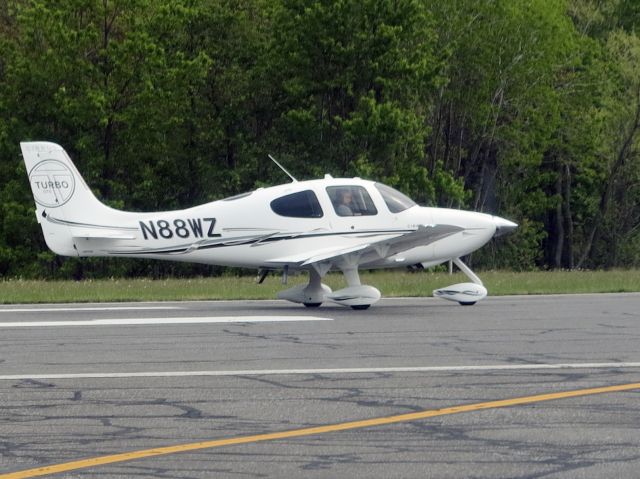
(265, 372)
(152, 321)
(101, 308)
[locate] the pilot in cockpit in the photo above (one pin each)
(345, 203)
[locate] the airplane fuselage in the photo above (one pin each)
(245, 231)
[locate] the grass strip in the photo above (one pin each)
(390, 283)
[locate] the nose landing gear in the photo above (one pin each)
(466, 294)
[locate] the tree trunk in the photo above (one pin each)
(559, 222)
(568, 219)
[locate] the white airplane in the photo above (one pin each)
(314, 226)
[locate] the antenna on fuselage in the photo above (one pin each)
(283, 168)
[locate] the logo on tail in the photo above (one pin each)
(52, 183)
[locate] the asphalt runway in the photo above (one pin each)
(81, 382)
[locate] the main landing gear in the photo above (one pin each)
(355, 295)
(313, 294)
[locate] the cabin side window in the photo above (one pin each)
(351, 201)
(303, 204)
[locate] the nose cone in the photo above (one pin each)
(503, 226)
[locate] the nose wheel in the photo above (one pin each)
(465, 294)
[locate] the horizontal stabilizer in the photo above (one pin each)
(104, 235)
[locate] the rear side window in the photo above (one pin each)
(351, 201)
(303, 204)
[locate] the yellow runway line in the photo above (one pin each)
(161, 451)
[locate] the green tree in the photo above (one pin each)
(529, 109)
(355, 80)
(613, 227)
(90, 76)
(498, 112)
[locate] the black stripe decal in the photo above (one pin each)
(253, 240)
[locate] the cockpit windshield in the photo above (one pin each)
(396, 201)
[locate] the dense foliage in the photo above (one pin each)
(529, 109)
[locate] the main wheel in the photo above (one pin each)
(467, 303)
(361, 306)
(312, 305)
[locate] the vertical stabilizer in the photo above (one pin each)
(64, 202)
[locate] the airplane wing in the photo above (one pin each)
(371, 251)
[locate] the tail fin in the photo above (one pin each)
(65, 206)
